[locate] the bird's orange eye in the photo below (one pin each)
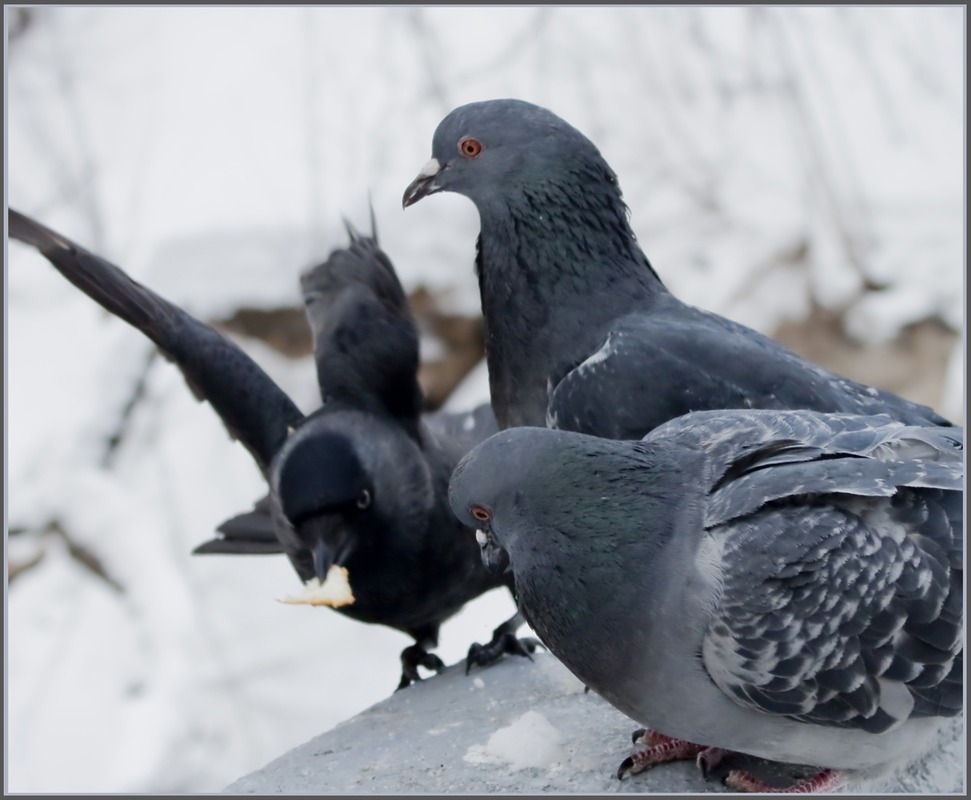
(470, 147)
(480, 513)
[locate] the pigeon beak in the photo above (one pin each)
(423, 185)
(494, 558)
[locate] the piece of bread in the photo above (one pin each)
(335, 591)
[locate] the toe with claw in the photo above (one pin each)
(826, 780)
(504, 642)
(413, 657)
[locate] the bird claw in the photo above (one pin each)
(709, 758)
(413, 657)
(826, 780)
(657, 748)
(503, 642)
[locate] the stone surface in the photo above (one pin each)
(518, 727)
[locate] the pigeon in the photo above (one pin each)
(581, 333)
(781, 584)
(361, 483)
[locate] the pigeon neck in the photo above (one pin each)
(551, 283)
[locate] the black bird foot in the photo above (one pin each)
(503, 642)
(413, 657)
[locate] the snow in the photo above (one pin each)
(771, 158)
(523, 734)
(529, 741)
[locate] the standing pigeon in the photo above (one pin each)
(580, 332)
(782, 584)
(362, 482)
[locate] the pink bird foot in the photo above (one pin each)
(826, 780)
(657, 748)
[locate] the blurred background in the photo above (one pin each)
(799, 170)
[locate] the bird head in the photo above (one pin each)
(326, 495)
(488, 149)
(346, 487)
(490, 490)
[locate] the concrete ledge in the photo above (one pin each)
(518, 727)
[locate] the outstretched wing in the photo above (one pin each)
(365, 339)
(654, 367)
(249, 533)
(853, 540)
(254, 409)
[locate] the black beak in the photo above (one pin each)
(494, 558)
(329, 543)
(323, 558)
(424, 184)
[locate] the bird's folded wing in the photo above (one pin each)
(653, 366)
(770, 456)
(254, 409)
(846, 608)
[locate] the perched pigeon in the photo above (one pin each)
(580, 332)
(785, 584)
(362, 482)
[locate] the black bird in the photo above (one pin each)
(581, 334)
(361, 482)
(786, 584)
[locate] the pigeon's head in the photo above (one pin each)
(346, 492)
(489, 150)
(514, 485)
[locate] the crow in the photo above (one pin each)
(360, 483)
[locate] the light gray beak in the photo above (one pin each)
(423, 185)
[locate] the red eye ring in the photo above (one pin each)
(480, 513)
(469, 147)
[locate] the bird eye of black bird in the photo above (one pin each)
(470, 147)
(480, 513)
(363, 499)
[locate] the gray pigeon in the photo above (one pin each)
(580, 332)
(786, 585)
(361, 482)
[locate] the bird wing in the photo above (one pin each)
(249, 533)
(465, 428)
(365, 340)
(254, 409)
(657, 365)
(840, 564)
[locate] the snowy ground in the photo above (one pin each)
(770, 157)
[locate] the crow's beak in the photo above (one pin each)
(323, 558)
(423, 185)
(329, 543)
